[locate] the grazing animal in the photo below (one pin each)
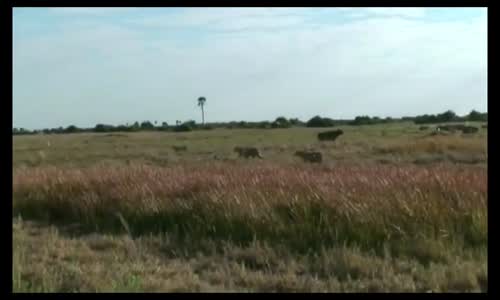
(423, 127)
(330, 135)
(248, 152)
(179, 148)
(310, 156)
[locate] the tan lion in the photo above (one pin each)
(248, 152)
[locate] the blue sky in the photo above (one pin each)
(84, 66)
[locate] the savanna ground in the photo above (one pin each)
(391, 209)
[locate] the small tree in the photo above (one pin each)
(296, 122)
(281, 122)
(362, 120)
(72, 129)
(447, 116)
(190, 123)
(136, 126)
(186, 126)
(476, 116)
(147, 125)
(264, 124)
(102, 128)
(318, 121)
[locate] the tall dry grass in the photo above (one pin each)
(304, 207)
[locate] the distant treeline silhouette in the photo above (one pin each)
(280, 122)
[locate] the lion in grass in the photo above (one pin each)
(248, 152)
(310, 156)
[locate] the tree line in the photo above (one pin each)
(450, 116)
(280, 122)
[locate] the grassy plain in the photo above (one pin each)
(391, 208)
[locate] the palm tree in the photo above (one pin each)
(201, 103)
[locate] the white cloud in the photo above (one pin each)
(405, 12)
(225, 19)
(86, 11)
(377, 66)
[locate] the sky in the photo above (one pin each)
(83, 66)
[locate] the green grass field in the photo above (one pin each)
(391, 209)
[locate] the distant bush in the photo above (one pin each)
(425, 119)
(448, 116)
(232, 125)
(296, 122)
(264, 125)
(318, 121)
(366, 120)
(20, 131)
(163, 127)
(408, 119)
(72, 129)
(103, 128)
(190, 123)
(146, 125)
(187, 126)
(362, 120)
(245, 125)
(182, 128)
(475, 116)
(281, 122)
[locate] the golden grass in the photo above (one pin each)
(391, 209)
(347, 203)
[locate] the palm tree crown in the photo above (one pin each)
(201, 103)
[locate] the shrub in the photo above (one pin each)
(147, 125)
(72, 129)
(318, 121)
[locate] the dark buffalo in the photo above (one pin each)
(330, 135)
